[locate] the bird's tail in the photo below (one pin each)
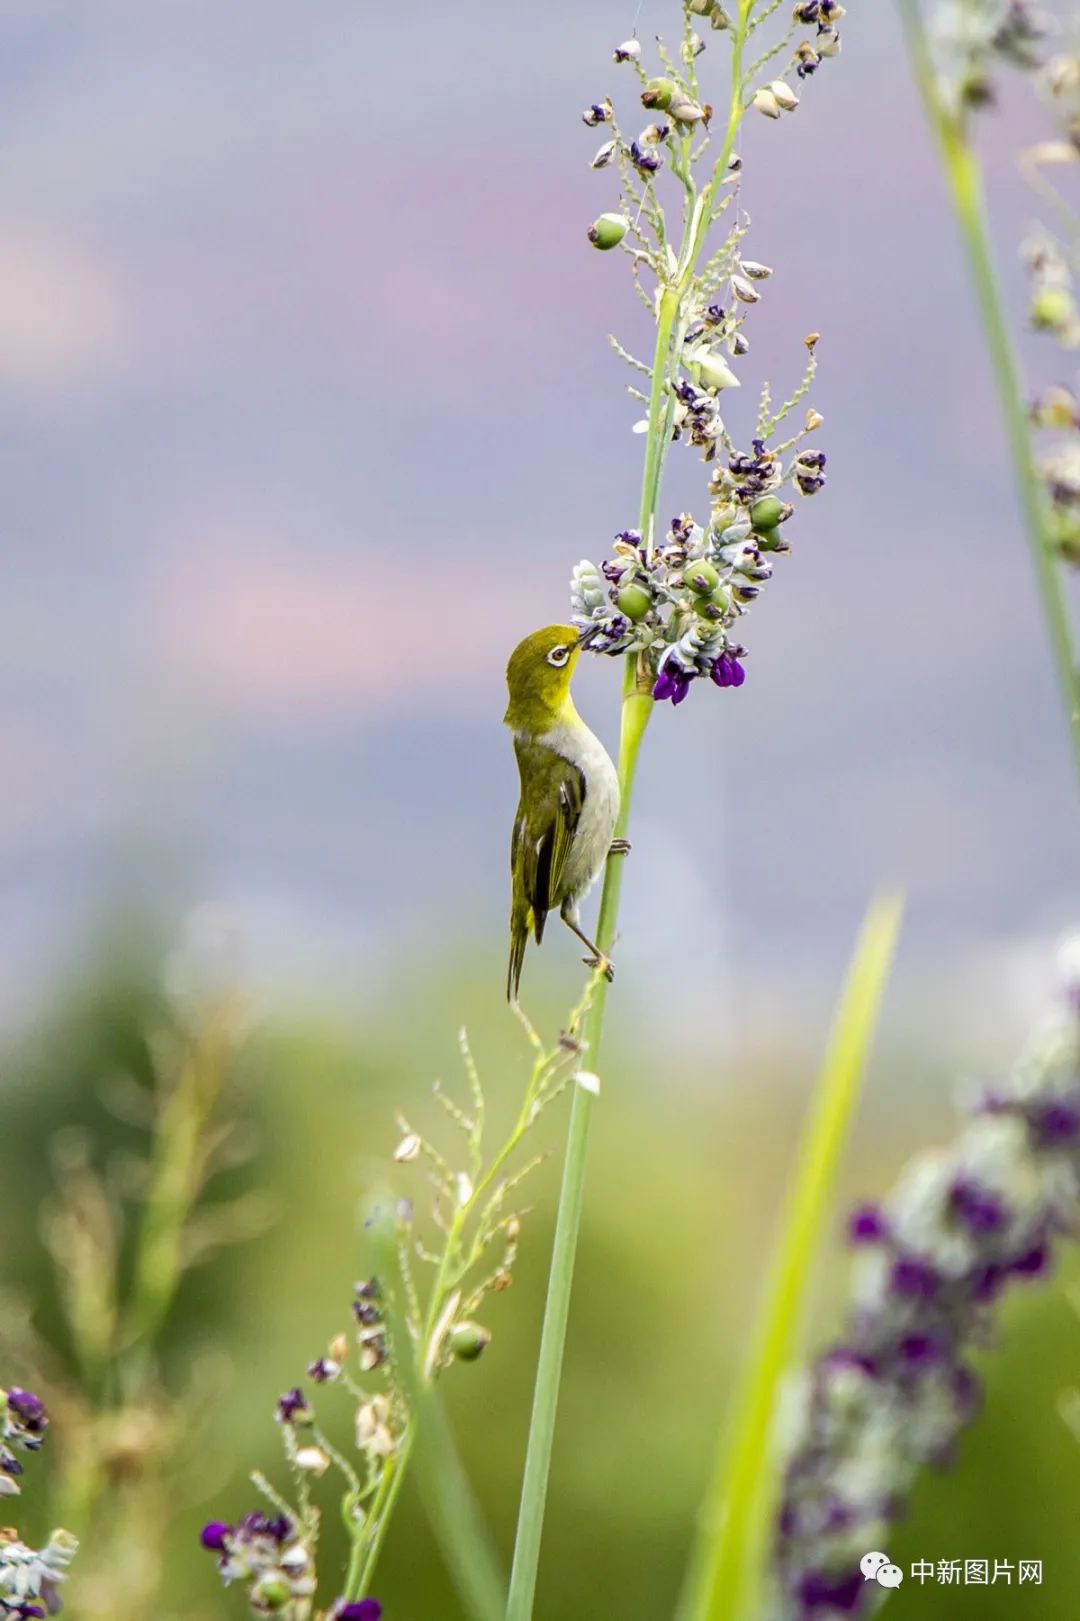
(518, 936)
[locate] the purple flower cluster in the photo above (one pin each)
(893, 1394)
(23, 1423)
(269, 1555)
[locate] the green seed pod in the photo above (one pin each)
(633, 601)
(271, 1591)
(468, 1341)
(701, 577)
(608, 231)
(1052, 308)
(768, 512)
(658, 93)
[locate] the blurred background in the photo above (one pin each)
(306, 411)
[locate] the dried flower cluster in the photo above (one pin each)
(30, 1578)
(961, 1226)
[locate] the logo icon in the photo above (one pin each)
(878, 1567)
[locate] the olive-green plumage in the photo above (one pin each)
(569, 795)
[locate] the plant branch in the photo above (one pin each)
(963, 175)
(636, 710)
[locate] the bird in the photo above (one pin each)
(569, 801)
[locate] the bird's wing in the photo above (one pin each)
(553, 794)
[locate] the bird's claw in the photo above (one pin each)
(620, 847)
(603, 964)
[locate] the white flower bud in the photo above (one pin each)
(604, 155)
(692, 46)
(685, 110)
(786, 99)
(766, 103)
(756, 272)
(712, 369)
(407, 1149)
(312, 1460)
(745, 290)
(628, 51)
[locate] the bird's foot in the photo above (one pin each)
(620, 847)
(603, 964)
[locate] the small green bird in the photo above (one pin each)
(569, 796)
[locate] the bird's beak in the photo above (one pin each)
(588, 635)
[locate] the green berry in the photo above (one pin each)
(768, 512)
(1051, 309)
(272, 1591)
(468, 1341)
(633, 601)
(701, 577)
(658, 93)
(608, 231)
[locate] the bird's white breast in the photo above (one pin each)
(592, 839)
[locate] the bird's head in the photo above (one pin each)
(538, 675)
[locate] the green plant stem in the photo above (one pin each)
(463, 1537)
(637, 707)
(734, 1517)
(963, 175)
(636, 710)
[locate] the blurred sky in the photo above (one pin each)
(306, 411)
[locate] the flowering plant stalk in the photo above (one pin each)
(960, 1227)
(414, 1318)
(954, 71)
(668, 604)
(30, 1578)
(122, 1238)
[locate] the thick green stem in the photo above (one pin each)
(964, 180)
(637, 708)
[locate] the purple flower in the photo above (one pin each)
(867, 1225)
(366, 1609)
(29, 1410)
(919, 1350)
(322, 1370)
(1033, 1263)
(672, 682)
(913, 1278)
(727, 671)
(213, 1534)
(980, 1211)
(291, 1406)
(644, 161)
(1056, 1123)
(822, 1590)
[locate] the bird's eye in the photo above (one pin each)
(558, 656)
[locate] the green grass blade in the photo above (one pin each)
(732, 1529)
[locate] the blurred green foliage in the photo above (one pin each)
(688, 1167)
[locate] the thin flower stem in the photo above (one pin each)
(734, 1516)
(636, 711)
(963, 174)
(637, 707)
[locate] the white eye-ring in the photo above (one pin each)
(558, 656)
